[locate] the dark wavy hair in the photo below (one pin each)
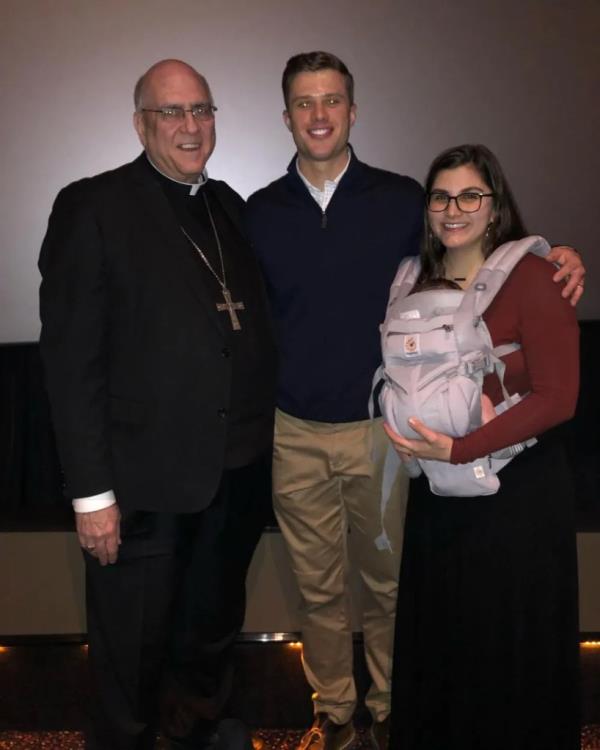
(311, 62)
(507, 224)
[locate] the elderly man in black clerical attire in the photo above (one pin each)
(160, 366)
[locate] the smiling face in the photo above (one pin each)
(458, 229)
(179, 149)
(319, 116)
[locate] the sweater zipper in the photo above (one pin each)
(323, 220)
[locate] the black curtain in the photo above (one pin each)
(584, 432)
(30, 478)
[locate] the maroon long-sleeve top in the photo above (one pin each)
(530, 311)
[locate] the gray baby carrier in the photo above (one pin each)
(436, 351)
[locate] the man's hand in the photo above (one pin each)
(99, 533)
(435, 446)
(571, 270)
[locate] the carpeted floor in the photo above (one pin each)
(44, 688)
(274, 739)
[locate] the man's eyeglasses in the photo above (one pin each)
(468, 202)
(177, 114)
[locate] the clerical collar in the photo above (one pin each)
(193, 186)
(323, 197)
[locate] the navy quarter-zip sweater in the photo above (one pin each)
(328, 276)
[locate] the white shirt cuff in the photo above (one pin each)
(95, 502)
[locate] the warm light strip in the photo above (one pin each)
(3, 649)
(590, 644)
(269, 637)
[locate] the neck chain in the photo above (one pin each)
(229, 305)
(466, 275)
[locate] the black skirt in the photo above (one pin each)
(486, 652)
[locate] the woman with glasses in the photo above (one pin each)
(486, 647)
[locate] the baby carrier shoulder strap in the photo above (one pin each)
(494, 272)
(405, 279)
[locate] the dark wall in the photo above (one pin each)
(30, 478)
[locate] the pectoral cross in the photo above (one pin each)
(231, 308)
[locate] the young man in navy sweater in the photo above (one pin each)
(329, 236)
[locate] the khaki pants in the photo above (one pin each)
(326, 482)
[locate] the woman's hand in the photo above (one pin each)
(435, 446)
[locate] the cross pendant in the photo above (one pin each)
(231, 308)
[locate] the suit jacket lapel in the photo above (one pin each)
(223, 196)
(166, 232)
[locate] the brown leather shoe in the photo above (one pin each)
(325, 734)
(380, 734)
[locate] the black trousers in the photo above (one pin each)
(163, 620)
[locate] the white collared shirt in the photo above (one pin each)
(323, 196)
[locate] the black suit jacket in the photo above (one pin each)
(135, 353)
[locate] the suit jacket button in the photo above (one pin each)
(226, 353)
(222, 413)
